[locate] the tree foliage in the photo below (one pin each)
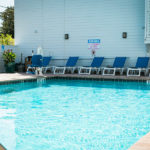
(6, 39)
(7, 17)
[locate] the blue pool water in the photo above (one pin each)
(73, 115)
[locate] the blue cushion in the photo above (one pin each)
(36, 61)
(46, 61)
(97, 62)
(72, 61)
(119, 62)
(142, 62)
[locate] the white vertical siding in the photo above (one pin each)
(28, 24)
(106, 20)
(147, 21)
(53, 27)
(82, 20)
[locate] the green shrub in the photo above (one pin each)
(9, 56)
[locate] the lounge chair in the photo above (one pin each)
(141, 66)
(36, 62)
(118, 65)
(70, 65)
(95, 65)
(45, 64)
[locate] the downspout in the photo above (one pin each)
(147, 27)
(148, 49)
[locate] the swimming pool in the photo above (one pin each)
(73, 115)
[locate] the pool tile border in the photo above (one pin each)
(16, 81)
(78, 77)
(95, 79)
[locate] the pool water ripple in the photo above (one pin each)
(73, 115)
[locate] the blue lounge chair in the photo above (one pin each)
(36, 63)
(95, 65)
(45, 64)
(118, 65)
(70, 65)
(141, 66)
(39, 62)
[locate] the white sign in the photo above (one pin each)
(94, 44)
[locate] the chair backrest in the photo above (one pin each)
(142, 62)
(97, 62)
(46, 61)
(72, 61)
(119, 62)
(37, 60)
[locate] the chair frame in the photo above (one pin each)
(39, 68)
(114, 69)
(138, 69)
(34, 66)
(121, 70)
(64, 68)
(90, 69)
(46, 67)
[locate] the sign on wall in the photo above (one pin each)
(94, 44)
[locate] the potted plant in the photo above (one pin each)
(9, 59)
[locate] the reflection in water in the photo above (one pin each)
(7, 128)
(63, 114)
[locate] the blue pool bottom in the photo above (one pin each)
(73, 115)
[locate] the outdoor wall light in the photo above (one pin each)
(124, 35)
(35, 31)
(66, 36)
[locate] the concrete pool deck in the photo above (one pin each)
(2, 147)
(6, 77)
(143, 144)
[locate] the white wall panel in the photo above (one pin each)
(82, 20)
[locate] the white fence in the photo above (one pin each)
(15, 50)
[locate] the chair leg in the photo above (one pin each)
(45, 70)
(55, 70)
(103, 72)
(146, 72)
(73, 69)
(139, 73)
(79, 71)
(90, 71)
(27, 70)
(114, 72)
(64, 70)
(122, 70)
(98, 70)
(128, 72)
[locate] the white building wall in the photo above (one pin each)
(44, 22)
(147, 21)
